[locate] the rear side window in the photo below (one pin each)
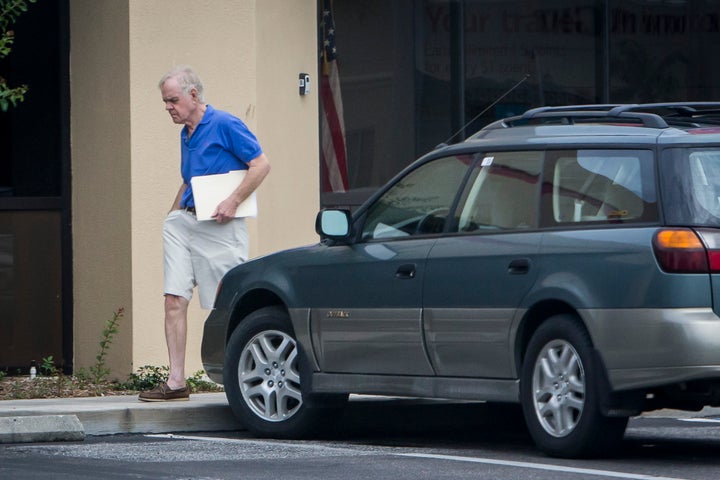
(691, 186)
(600, 186)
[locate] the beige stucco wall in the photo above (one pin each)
(249, 69)
(100, 137)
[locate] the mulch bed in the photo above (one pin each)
(17, 388)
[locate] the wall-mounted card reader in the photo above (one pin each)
(304, 83)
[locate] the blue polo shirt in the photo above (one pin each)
(221, 143)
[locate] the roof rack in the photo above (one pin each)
(688, 114)
(651, 115)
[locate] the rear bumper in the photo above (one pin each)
(644, 348)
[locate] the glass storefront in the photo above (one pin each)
(35, 252)
(417, 73)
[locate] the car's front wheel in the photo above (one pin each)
(263, 371)
(559, 392)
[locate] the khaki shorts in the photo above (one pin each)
(200, 253)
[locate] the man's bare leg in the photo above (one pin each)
(176, 309)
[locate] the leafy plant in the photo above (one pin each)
(10, 10)
(48, 368)
(200, 383)
(146, 377)
(149, 376)
(99, 372)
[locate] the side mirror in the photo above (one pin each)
(333, 224)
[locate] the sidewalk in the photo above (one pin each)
(70, 419)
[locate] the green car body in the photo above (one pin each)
(566, 260)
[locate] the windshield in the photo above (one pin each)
(691, 186)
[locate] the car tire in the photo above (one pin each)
(262, 375)
(560, 396)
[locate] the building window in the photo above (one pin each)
(659, 51)
(30, 133)
(35, 252)
(414, 74)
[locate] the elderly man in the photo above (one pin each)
(201, 252)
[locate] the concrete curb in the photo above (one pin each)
(191, 416)
(121, 414)
(41, 428)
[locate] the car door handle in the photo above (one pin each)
(406, 271)
(519, 266)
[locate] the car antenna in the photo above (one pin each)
(522, 80)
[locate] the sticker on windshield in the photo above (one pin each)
(487, 161)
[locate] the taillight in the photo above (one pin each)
(682, 250)
(711, 239)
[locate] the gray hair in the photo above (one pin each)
(187, 80)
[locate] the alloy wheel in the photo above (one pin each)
(268, 376)
(558, 386)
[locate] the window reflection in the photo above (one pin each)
(399, 75)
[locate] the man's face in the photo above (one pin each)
(179, 105)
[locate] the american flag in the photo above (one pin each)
(334, 153)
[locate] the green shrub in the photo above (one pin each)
(146, 377)
(200, 383)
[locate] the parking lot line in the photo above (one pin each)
(539, 466)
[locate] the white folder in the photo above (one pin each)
(210, 190)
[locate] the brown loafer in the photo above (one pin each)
(163, 393)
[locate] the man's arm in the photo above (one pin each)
(258, 168)
(178, 197)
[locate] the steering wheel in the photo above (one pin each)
(432, 222)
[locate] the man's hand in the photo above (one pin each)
(258, 168)
(225, 211)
